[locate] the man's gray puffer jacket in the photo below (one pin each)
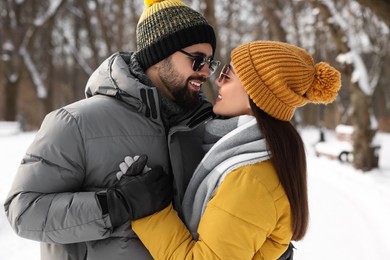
(76, 153)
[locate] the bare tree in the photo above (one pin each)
(273, 13)
(209, 13)
(12, 33)
(363, 153)
(380, 7)
(23, 20)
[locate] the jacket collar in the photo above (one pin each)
(122, 77)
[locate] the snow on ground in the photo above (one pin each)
(12, 147)
(349, 209)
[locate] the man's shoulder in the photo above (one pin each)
(89, 105)
(97, 108)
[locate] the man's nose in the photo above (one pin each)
(205, 71)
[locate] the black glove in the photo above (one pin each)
(138, 194)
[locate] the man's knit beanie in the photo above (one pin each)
(168, 26)
(280, 77)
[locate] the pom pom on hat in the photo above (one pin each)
(326, 84)
(279, 77)
(149, 3)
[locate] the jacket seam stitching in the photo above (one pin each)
(234, 216)
(54, 230)
(81, 136)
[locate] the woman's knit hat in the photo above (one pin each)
(168, 26)
(280, 77)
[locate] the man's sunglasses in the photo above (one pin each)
(224, 73)
(200, 61)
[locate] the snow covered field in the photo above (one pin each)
(349, 210)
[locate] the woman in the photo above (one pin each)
(248, 197)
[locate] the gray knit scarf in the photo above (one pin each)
(231, 143)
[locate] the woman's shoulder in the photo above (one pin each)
(259, 180)
(262, 172)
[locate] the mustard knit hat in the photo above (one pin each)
(280, 77)
(168, 26)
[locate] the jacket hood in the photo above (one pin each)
(121, 76)
(112, 77)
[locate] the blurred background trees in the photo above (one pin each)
(49, 48)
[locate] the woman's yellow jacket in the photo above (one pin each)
(249, 217)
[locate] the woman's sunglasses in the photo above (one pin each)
(200, 61)
(224, 73)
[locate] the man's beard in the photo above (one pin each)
(184, 96)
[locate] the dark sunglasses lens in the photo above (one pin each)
(198, 63)
(225, 69)
(224, 72)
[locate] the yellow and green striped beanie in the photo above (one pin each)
(168, 26)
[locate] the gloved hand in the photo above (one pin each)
(138, 194)
(127, 162)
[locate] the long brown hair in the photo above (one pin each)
(289, 159)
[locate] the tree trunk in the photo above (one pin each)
(47, 59)
(12, 33)
(276, 31)
(209, 13)
(91, 33)
(103, 26)
(11, 94)
(364, 156)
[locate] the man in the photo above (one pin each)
(146, 102)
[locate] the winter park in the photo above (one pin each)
(123, 78)
(349, 209)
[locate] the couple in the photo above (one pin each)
(246, 199)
